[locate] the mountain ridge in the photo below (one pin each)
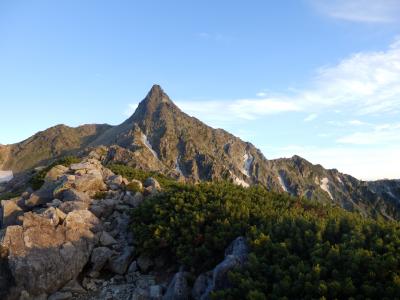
(160, 137)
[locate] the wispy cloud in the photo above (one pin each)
(379, 135)
(367, 11)
(310, 117)
(245, 109)
(364, 83)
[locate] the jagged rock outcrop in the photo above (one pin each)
(47, 245)
(178, 289)
(236, 256)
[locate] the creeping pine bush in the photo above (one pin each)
(298, 249)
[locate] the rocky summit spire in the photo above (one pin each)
(155, 100)
(156, 95)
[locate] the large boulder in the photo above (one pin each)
(70, 206)
(74, 195)
(178, 289)
(99, 258)
(43, 195)
(235, 257)
(120, 262)
(10, 213)
(89, 182)
(151, 182)
(56, 173)
(42, 256)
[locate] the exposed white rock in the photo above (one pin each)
(283, 184)
(325, 186)
(339, 179)
(148, 145)
(247, 161)
(177, 167)
(6, 176)
(238, 181)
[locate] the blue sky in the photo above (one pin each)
(316, 78)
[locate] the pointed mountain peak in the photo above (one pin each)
(156, 100)
(157, 95)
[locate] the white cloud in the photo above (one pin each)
(362, 84)
(310, 117)
(357, 123)
(381, 134)
(131, 109)
(367, 11)
(244, 109)
(362, 163)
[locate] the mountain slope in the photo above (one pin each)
(160, 137)
(185, 145)
(46, 145)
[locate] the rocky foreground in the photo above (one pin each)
(71, 239)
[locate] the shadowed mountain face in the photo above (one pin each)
(160, 137)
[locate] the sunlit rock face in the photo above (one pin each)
(6, 176)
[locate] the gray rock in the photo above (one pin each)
(97, 210)
(42, 258)
(135, 200)
(144, 263)
(42, 196)
(150, 191)
(70, 206)
(60, 296)
(133, 267)
(178, 289)
(52, 215)
(108, 206)
(236, 256)
(106, 239)
(100, 257)
(155, 292)
(55, 173)
(89, 183)
(115, 182)
(202, 283)
(153, 183)
(73, 287)
(10, 213)
(119, 263)
(74, 195)
(54, 203)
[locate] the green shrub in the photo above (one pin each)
(100, 195)
(298, 249)
(9, 195)
(134, 187)
(133, 173)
